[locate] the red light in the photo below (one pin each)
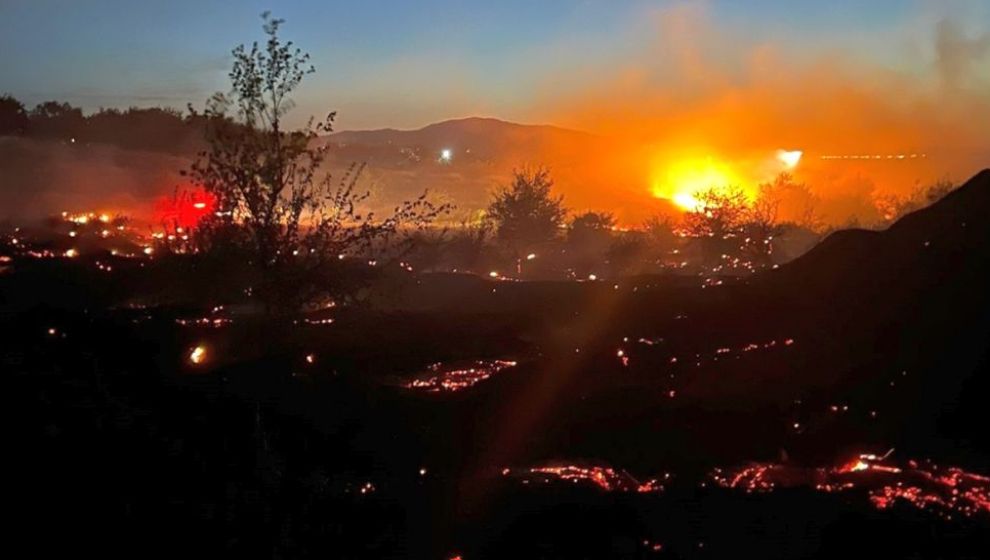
(186, 208)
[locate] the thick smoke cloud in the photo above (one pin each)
(685, 89)
(39, 179)
(958, 55)
(697, 90)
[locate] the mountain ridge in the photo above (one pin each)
(483, 137)
(457, 121)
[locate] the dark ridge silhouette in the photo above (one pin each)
(477, 130)
(927, 243)
(484, 137)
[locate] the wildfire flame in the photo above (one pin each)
(197, 355)
(683, 179)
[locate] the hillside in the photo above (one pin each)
(481, 137)
(874, 341)
(482, 153)
(931, 245)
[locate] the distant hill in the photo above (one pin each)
(486, 138)
(482, 154)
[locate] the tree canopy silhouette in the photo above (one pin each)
(273, 200)
(591, 227)
(526, 212)
(719, 214)
(13, 117)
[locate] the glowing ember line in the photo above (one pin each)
(442, 378)
(604, 478)
(874, 157)
(946, 493)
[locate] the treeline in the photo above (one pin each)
(528, 233)
(157, 129)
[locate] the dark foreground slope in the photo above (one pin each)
(304, 440)
(915, 295)
(939, 248)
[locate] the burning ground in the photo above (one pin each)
(636, 416)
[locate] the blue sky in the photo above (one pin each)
(407, 63)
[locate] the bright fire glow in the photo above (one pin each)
(684, 179)
(198, 355)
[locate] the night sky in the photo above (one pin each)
(405, 64)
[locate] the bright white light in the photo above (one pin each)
(446, 155)
(686, 201)
(790, 159)
(198, 355)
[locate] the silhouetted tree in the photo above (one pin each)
(719, 214)
(293, 222)
(588, 238)
(661, 233)
(794, 201)
(13, 117)
(717, 221)
(55, 110)
(762, 223)
(152, 128)
(893, 207)
(590, 228)
(628, 253)
(52, 119)
(526, 213)
(466, 246)
(937, 190)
